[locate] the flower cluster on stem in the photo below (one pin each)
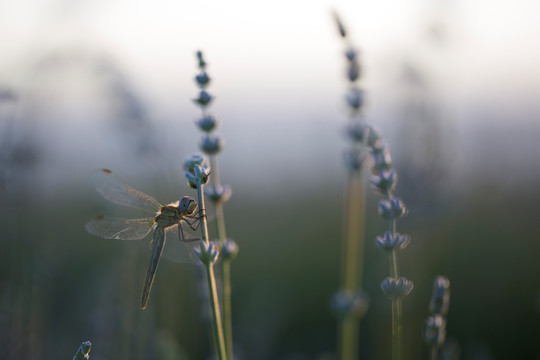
(212, 144)
(383, 182)
(435, 325)
(83, 353)
(350, 303)
(197, 174)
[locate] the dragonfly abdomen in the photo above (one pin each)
(159, 243)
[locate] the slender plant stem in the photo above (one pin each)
(434, 352)
(214, 300)
(225, 264)
(397, 307)
(352, 259)
(396, 329)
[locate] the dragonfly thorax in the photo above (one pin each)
(173, 213)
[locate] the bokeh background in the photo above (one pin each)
(452, 84)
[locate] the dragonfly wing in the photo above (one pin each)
(180, 249)
(120, 229)
(117, 191)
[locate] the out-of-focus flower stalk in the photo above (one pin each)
(212, 145)
(349, 303)
(197, 174)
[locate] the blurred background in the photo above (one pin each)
(453, 85)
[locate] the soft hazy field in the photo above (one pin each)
(87, 85)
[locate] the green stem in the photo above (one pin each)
(225, 264)
(214, 301)
(397, 307)
(434, 352)
(227, 308)
(352, 260)
(396, 328)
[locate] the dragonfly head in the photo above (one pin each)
(187, 205)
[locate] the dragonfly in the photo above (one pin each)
(165, 223)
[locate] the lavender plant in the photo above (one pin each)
(197, 174)
(383, 182)
(366, 140)
(83, 353)
(435, 325)
(212, 145)
(350, 303)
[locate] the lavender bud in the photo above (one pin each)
(202, 63)
(193, 160)
(382, 161)
(440, 299)
(356, 131)
(392, 209)
(355, 98)
(204, 98)
(353, 72)
(389, 242)
(211, 144)
(341, 27)
(394, 289)
(435, 330)
(207, 254)
(202, 79)
(344, 304)
(197, 170)
(374, 139)
(229, 250)
(207, 123)
(83, 353)
(354, 158)
(218, 193)
(351, 54)
(384, 183)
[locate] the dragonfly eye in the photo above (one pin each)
(186, 203)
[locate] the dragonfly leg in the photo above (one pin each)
(182, 237)
(194, 225)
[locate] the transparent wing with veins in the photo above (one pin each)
(180, 245)
(120, 229)
(117, 191)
